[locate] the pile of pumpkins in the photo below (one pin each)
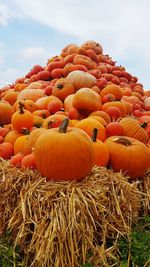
(77, 111)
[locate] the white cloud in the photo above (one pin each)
(6, 14)
(8, 76)
(33, 54)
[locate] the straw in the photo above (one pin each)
(65, 223)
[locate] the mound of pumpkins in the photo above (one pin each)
(77, 111)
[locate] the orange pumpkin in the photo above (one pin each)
(43, 102)
(16, 159)
(85, 61)
(101, 151)
(101, 114)
(112, 89)
(87, 99)
(31, 94)
(68, 102)
(22, 119)
(28, 162)
(117, 104)
(96, 47)
(63, 88)
(6, 150)
(88, 124)
(31, 139)
(11, 97)
(12, 136)
(6, 112)
(19, 144)
(28, 105)
(64, 154)
(132, 128)
(128, 155)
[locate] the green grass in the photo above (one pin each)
(136, 250)
(10, 257)
(133, 251)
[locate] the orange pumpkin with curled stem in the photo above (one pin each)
(64, 153)
(128, 155)
(22, 119)
(101, 151)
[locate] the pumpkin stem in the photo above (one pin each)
(60, 86)
(94, 135)
(21, 108)
(25, 131)
(64, 125)
(122, 140)
(144, 124)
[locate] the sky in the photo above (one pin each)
(31, 31)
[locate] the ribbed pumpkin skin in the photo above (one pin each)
(64, 156)
(132, 128)
(132, 159)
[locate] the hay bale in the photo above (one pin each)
(61, 223)
(144, 188)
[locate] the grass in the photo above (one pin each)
(136, 250)
(133, 251)
(10, 257)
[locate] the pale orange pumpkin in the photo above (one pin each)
(81, 79)
(31, 94)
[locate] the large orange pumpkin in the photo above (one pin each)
(64, 154)
(128, 155)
